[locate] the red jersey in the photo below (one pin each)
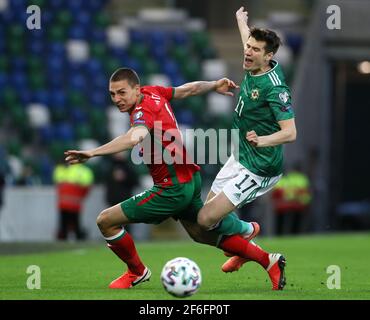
(163, 150)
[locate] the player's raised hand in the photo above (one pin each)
(242, 14)
(74, 156)
(224, 85)
(252, 138)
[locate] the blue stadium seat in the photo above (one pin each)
(18, 80)
(170, 68)
(64, 132)
(78, 82)
(185, 117)
(159, 53)
(77, 32)
(58, 97)
(18, 5)
(37, 34)
(74, 67)
(96, 5)
(137, 36)
(18, 63)
(56, 4)
(99, 81)
(7, 17)
(75, 5)
(57, 49)
(177, 80)
(55, 65)
(58, 113)
(132, 63)
(77, 115)
(25, 96)
(118, 53)
(46, 168)
(97, 35)
(21, 16)
(3, 80)
(98, 98)
(41, 96)
(47, 18)
(93, 66)
(36, 47)
(46, 134)
(2, 40)
(83, 18)
(158, 38)
(180, 38)
(55, 80)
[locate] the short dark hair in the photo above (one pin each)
(272, 40)
(125, 74)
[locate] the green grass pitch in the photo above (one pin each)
(83, 271)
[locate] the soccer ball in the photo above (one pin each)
(181, 277)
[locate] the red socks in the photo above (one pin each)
(238, 246)
(124, 248)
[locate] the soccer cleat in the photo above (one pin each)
(248, 237)
(235, 262)
(129, 280)
(276, 271)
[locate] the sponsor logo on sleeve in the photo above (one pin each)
(137, 118)
(284, 96)
(139, 121)
(138, 115)
(285, 108)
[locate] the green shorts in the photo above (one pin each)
(181, 201)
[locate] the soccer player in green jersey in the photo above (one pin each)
(264, 120)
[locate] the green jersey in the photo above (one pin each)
(263, 100)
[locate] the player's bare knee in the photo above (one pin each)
(204, 220)
(103, 220)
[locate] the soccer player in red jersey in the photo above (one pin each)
(177, 183)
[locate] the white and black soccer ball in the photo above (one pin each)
(181, 277)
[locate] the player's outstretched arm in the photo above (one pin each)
(121, 143)
(221, 86)
(242, 19)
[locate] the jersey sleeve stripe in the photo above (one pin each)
(272, 79)
(276, 77)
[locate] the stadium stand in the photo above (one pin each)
(54, 79)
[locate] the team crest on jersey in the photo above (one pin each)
(138, 115)
(255, 94)
(284, 96)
